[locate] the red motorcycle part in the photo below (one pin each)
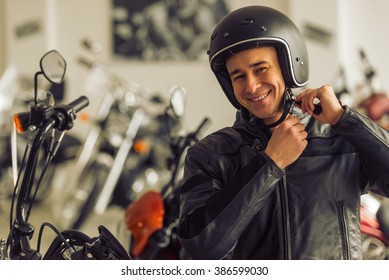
(376, 106)
(143, 217)
(371, 227)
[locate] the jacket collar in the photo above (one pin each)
(244, 121)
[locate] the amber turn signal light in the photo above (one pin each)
(21, 121)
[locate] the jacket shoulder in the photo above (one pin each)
(224, 141)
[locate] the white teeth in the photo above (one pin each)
(260, 97)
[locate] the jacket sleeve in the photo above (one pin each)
(212, 214)
(372, 143)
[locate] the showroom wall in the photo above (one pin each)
(334, 30)
(2, 37)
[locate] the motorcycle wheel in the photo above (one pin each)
(79, 205)
(373, 249)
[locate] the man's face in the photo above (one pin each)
(257, 82)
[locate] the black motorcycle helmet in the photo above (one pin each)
(255, 26)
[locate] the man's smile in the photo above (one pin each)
(260, 97)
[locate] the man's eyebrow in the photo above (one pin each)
(255, 64)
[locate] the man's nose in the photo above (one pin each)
(252, 84)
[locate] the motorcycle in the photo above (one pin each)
(41, 120)
(375, 227)
(374, 102)
(125, 145)
(152, 220)
(8, 90)
(374, 210)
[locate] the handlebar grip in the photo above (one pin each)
(79, 104)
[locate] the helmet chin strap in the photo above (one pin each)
(288, 102)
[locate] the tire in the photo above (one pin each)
(373, 249)
(87, 209)
(79, 205)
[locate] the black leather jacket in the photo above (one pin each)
(236, 203)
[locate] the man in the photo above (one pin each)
(284, 182)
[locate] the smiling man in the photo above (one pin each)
(257, 82)
(284, 181)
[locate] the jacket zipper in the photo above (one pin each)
(285, 220)
(344, 232)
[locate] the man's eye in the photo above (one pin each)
(238, 77)
(261, 69)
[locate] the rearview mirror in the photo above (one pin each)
(177, 101)
(53, 67)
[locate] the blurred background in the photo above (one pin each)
(335, 31)
(156, 44)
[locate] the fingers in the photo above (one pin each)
(307, 98)
(287, 142)
(292, 120)
(300, 133)
(330, 110)
(295, 127)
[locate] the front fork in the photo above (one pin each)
(3, 250)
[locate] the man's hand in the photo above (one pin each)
(287, 142)
(332, 110)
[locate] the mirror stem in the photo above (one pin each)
(36, 87)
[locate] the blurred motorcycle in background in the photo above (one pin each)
(375, 227)
(152, 219)
(374, 210)
(124, 150)
(9, 88)
(43, 120)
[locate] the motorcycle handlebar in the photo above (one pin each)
(202, 126)
(79, 104)
(65, 115)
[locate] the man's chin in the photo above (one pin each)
(267, 118)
